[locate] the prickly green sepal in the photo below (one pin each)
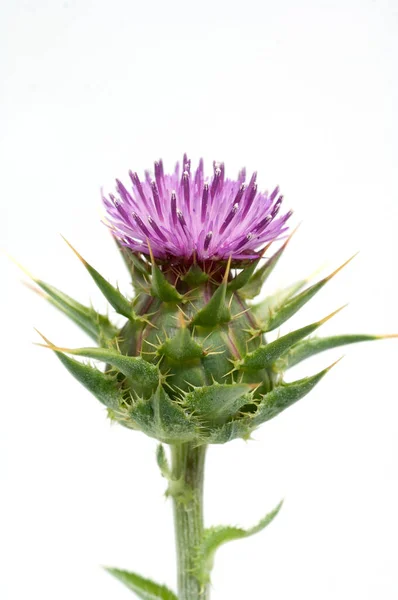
(112, 294)
(161, 288)
(195, 276)
(134, 262)
(96, 325)
(267, 308)
(144, 588)
(162, 418)
(217, 402)
(238, 428)
(142, 376)
(214, 537)
(253, 287)
(216, 311)
(283, 396)
(266, 355)
(277, 317)
(181, 347)
(307, 348)
(240, 280)
(104, 387)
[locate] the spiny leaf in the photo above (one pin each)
(307, 348)
(275, 318)
(267, 354)
(181, 347)
(133, 261)
(144, 588)
(96, 325)
(93, 323)
(160, 287)
(112, 294)
(214, 537)
(284, 395)
(102, 386)
(164, 419)
(272, 304)
(253, 287)
(238, 428)
(139, 372)
(216, 310)
(217, 402)
(195, 276)
(240, 280)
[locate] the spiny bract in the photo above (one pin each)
(191, 363)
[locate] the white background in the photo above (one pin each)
(304, 92)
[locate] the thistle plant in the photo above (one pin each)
(192, 364)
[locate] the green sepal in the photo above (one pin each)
(307, 348)
(214, 537)
(181, 347)
(279, 314)
(217, 402)
(283, 396)
(144, 588)
(141, 375)
(96, 325)
(112, 294)
(240, 280)
(162, 418)
(103, 386)
(266, 355)
(271, 305)
(161, 288)
(253, 287)
(133, 261)
(216, 311)
(194, 276)
(237, 428)
(162, 461)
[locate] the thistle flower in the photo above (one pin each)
(192, 365)
(185, 215)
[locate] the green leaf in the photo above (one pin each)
(267, 354)
(264, 310)
(162, 418)
(144, 588)
(161, 288)
(89, 320)
(238, 428)
(112, 294)
(195, 276)
(283, 396)
(217, 402)
(104, 387)
(181, 347)
(307, 348)
(141, 374)
(240, 280)
(216, 310)
(253, 287)
(283, 312)
(214, 537)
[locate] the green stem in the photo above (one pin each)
(188, 468)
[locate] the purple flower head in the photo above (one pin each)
(187, 214)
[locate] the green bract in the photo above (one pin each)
(192, 363)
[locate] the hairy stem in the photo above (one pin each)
(188, 468)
